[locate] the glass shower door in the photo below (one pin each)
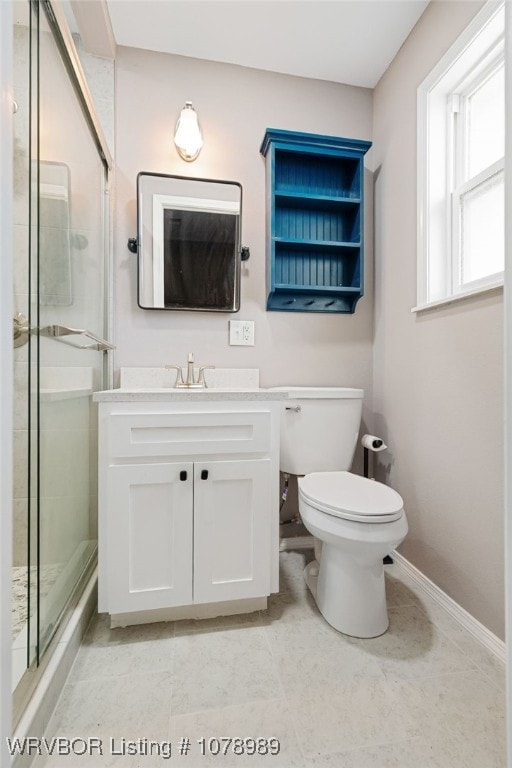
(60, 257)
(71, 322)
(25, 208)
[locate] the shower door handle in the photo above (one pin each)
(21, 330)
(59, 332)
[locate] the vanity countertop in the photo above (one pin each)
(155, 385)
(181, 395)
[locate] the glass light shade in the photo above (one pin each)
(187, 136)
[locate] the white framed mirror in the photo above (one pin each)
(188, 243)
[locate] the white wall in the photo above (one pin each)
(235, 105)
(438, 375)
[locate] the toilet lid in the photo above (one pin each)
(351, 497)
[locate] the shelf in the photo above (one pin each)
(302, 173)
(342, 302)
(327, 245)
(324, 269)
(314, 221)
(316, 289)
(299, 199)
(317, 224)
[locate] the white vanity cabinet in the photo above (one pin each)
(232, 535)
(149, 532)
(188, 512)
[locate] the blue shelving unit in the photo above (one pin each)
(314, 221)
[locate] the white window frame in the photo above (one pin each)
(441, 115)
(462, 183)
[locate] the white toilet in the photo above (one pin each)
(357, 521)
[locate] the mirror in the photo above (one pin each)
(54, 235)
(188, 243)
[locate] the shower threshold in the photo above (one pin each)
(54, 582)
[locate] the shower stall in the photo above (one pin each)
(61, 237)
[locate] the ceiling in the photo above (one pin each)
(345, 41)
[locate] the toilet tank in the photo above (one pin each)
(319, 428)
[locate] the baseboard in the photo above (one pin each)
(465, 619)
(296, 542)
(197, 611)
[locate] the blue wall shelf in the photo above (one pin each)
(314, 221)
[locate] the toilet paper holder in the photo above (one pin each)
(371, 443)
(375, 444)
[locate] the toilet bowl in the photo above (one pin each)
(358, 521)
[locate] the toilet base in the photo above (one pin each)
(350, 595)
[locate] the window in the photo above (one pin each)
(461, 148)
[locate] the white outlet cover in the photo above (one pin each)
(241, 333)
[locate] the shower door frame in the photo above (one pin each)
(6, 373)
(59, 26)
(12, 709)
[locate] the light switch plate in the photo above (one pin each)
(241, 333)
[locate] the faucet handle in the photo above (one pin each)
(200, 380)
(179, 374)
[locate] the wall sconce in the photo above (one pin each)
(187, 136)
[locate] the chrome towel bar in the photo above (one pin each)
(59, 332)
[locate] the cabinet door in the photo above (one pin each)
(232, 532)
(149, 534)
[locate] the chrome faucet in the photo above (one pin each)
(190, 370)
(191, 382)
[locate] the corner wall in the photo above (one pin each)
(438, 375)
(235, 105)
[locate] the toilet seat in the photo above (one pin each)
(351, 497)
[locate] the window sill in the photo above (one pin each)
(458, 297)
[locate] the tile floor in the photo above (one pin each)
(424, 695)
(48, 575)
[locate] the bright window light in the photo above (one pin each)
(461, 148)
(486, 122)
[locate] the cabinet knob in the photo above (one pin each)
(183, 474)
(204, 474)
